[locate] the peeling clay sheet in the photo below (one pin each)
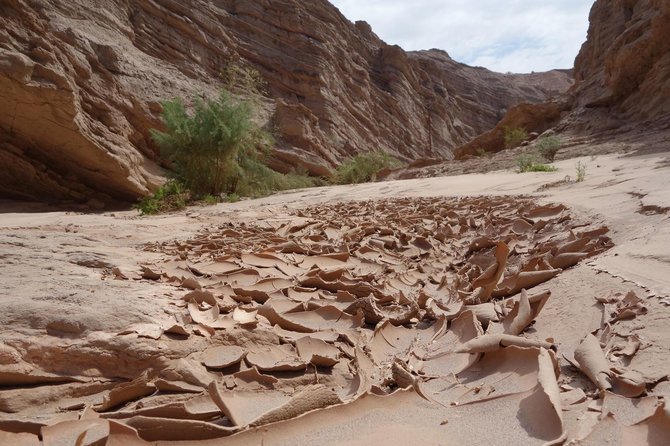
(396, 321)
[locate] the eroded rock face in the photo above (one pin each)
(622, 79)
(534, 118)
(624, 65)
(622, 73)
(81, 82)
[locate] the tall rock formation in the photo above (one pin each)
(81, 82)
(623, 68)
(622, 79)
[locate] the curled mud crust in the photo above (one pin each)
(342, 323)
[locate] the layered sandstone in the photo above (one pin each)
(81, 85)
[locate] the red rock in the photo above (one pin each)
(624, 66)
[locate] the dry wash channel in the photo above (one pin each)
(350, 323)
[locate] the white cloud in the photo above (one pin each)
(511, 35)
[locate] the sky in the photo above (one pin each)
(503, 35)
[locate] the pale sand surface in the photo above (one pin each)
(63, 310)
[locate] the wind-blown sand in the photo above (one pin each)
(348, 315)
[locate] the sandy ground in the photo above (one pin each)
(62, 307)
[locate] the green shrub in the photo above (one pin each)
(211, 199)
(542, 168)
(481, 152)
(259, 180)
(524, 162)
(548, 146)
(170, 197)
(528, 163)
(232, 198)
(203, 146)
(216, 150)
(364, 167)
(581, 171)
(514, 136)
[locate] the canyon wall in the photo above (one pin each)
(622, 80)
(81, 83)
(623, 68)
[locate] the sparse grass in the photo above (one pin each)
(548, 146)
(170, 197)
(364, 167)
(528, 163)
(211, 199)
(240, 77)
(524, 162)
(233, 198)
(581, 171)
(542, 168)
(514, 136)
(259, 180)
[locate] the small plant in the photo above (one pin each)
(548, 146)
(238, 76)
(542, 168)
(524, 162)
(528, 163)
(514, 136)
(233, 198)
(581, 171)
(364, 167)
(481, 152)
(168, 198)
(211, 199)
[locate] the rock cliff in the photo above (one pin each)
(622, 79)
(81, 83)
(623, 68)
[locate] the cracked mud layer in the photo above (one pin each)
(349, 323)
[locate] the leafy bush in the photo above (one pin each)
(548, 146)
(216, 151)
(528, 163)
(364, 167)
(203, 146)
(514, 136)
(170, 197)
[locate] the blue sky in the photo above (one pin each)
(503, 35)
